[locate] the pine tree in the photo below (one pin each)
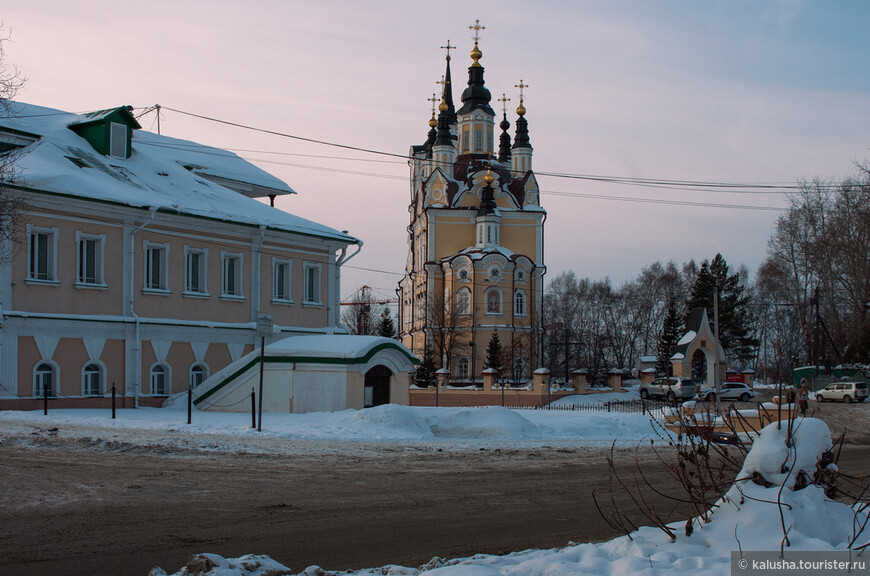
(386, 326)
(425, 374)
(494, 353)
(734, 327)
(672, 330)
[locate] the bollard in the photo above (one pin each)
(44, 399)
(253, 408)
(189, 404)
(113, 400)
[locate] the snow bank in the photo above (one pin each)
(747, 518)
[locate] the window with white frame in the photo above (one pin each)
(231, 274)
(198, 374)
(159, 380)
(519, 370)
(463, 302)
(281, 270)
(91, 258)
(519, 303)
(195, 260)
(312, 283)
(462, 371)
(42, 253)
(493, 301)
(92, 379)
(44, 377)
(156, 267)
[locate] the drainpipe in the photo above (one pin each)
(339, 262)
(137, 382)
(256, 282)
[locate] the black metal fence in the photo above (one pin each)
(618, 406)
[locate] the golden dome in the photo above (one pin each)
(443, 106)
(432, 121)
(521, 110)
(476, 55)
(488, 177)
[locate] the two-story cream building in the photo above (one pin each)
(143, 262)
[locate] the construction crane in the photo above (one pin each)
(364, 296)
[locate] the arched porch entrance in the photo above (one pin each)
(377, 386)
(704, 367)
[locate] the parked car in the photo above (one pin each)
(671, 388)
(729, 391)
(845, 391)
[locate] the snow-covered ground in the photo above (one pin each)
(747, 518)
(388, 423)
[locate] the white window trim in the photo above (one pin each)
(500, 302)
(240, 277)
(101, 260)
(55, 372)
(288, 280)
(203, 252)
(167, 379)
(205, 372)
(164, 273)
(517, 292)
(306, 266)
(53, 232)
(102, 383)
(459, 376)
(463, 310)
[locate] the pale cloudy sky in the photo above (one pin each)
(720, 91)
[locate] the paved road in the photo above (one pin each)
(79, 505)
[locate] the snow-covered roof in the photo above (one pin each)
(169, 174)
(334, 347)
(687, 337)
(649, 359)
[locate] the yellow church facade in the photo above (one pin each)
(475, 262)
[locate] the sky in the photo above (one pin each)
(721, 91)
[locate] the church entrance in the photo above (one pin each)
(377, 387)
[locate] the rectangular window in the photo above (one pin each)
(478, 139)
(91, 251)
(117, 140)
(42, 253)
(312, 283)
(195, 270)
(156, 266)
(465, 139)
(281, 280)
(231, 267)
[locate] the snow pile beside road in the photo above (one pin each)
(747, 518)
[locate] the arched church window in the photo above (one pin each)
(44, 379)
(519, 303)
(463, 302)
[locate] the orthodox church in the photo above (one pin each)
(476, 236)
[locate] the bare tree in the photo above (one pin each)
(445, 325)
(362, 313)
(11, 198)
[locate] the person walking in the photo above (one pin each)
(804, 399)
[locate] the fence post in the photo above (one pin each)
(189, 404)
(253, 408)
(44, 399)
(113, 400)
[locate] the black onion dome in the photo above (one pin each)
(476, 96)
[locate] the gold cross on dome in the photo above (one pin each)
(521, 86)
(442, 82)
(504, 100)
(448, 48)
(477, 28)
(434, 100)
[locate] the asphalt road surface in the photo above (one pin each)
(78, 503)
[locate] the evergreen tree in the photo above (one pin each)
(734, 322)
(425, 374)
(672, 331)
(494, 353)
(386, 327)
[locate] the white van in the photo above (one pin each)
(845, 391)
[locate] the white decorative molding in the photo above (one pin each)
(199, 350)
(94, 346)
(161, 349)
(46, 345)
(236, 350)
